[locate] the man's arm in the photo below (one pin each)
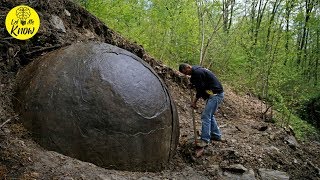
(197, 81)
(194, 103)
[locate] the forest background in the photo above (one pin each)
(268, 48)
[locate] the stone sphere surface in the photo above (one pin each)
(100, 104)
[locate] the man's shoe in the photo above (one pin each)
(202, 143)
(214, 138)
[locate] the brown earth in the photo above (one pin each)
(251, 143)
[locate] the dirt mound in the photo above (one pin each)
(253, 150)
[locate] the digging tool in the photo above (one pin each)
(198, 150)
(193, 120)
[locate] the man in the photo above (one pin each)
(209, 88)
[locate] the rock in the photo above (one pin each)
(249, 175)
(310, 164)
(316, 142)
(31, 175)
(233, 141)
(145, 178)
(269, 174)
(88, 34)
(235, 168)
(290, 130)
(116, 177)
(229, 153)
(213, 169)
(292, 142)
(6, 130)
(67, 12)
(272, 136)
(64, 178)
(100, 104)
(263, 128)
(208, 151)
(57, 23)
(264, 134)
(272, 149)
(188, 173)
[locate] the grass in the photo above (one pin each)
(302, 129)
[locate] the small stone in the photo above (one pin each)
(272, 137)
(273, 149)
(269, 174)
(67, 12)
(57, 23)
(223, 126)
(249, 175)
(6, 130)
(292, 142)
(213, 169)
(263, 128)
(116, 177)
(208, 151)
(102, 176)
(10, 52)
(65, 178)
(34, 174)
(265, 134)
(236, 168)
(89, 34)
(144, 178)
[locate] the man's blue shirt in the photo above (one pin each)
(203, 79)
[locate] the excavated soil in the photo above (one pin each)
(252, 144)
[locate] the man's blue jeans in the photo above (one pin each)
(209, 123)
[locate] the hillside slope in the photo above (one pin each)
(254, 148)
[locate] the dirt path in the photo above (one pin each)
(251, 142)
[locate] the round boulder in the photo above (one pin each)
(101, 104)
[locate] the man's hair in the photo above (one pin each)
(183, 66)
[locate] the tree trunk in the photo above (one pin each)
(225, 15)
(302, 46)
(227, 9)
(215, 29)
(231, 14)
(253, 15)
(273, 13)
(289, 6)
(305, 57)
(201, 28)
(317, 60)
(261, 11)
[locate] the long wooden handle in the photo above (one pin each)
(193, 119)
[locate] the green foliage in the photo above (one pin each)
(257, 53)
(164, 28)
(311, 110)
(302, 130)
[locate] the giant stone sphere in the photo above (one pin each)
(100, 104)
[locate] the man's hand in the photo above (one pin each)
(194, 105)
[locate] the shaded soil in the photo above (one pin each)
(250, 141)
